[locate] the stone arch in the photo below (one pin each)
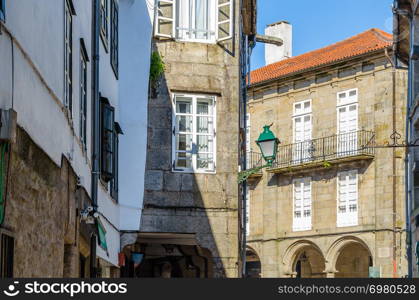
(339, 246)
(253, 263)
(294, 251)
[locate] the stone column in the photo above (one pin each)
(71, 261)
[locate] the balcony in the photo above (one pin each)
(254, 160)
(324, 152)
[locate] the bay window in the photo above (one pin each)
(194, 20)
(194, 133)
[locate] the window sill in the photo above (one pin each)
(181, 40)
(346, 225)
(301, 229)
(194, 172)
(196, 41)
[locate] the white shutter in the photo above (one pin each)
(302, 204)
(347, 206)
(165, 18)
(225, 20)
(347, 129)
(302, 138)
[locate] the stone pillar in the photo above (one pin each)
(71, 261)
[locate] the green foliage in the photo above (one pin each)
(156, 67)
(327, 164)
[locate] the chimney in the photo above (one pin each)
(273, 53)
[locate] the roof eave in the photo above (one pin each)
(261, 83)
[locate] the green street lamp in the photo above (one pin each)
(268, 145)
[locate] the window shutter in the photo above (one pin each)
(165, 19)
(2, 10)
(108, 145)
(225, 20)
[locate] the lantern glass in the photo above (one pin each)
(268, 144)
(268, 149)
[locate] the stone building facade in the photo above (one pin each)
(59, 96)
(332, 205)
(190, 218)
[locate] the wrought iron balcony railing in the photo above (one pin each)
(331, 149)
(254, 160)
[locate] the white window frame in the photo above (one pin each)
(211, 17)
(83, 85)
(194, 168)
(305, 223)
(302, 115)
(68, 59)
(350, 101)
(171, 19)
(346, 219)
(310, 111)
(214, 19)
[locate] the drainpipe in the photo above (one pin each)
(394, 162)
(95, 126)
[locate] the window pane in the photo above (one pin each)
(184, 142)
(204, 106)
(205, 143)
(184, 123)
(205, 161)
(184, 160)
(201, 19)
(204, 125)
(183, 106)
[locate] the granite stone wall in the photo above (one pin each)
(271, 204)
(204, 204)
(42, 206)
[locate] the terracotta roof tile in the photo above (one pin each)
(368, 41)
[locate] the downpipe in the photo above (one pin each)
(96, 129)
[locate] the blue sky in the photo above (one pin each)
(321, 22)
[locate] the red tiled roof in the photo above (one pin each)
(368, 41)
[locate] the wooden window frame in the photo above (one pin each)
(339, 221)
(104, 22)
(68, 56)
(83, 83)
(298, 227)
(216, 22)
(194, 134)
(114, 42)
